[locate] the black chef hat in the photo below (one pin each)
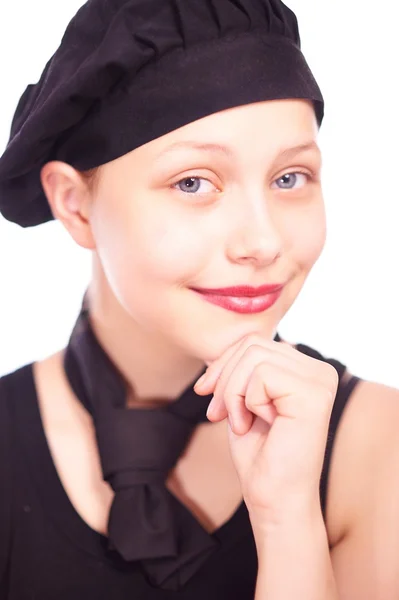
(129, 71)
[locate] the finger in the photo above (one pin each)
(246, 396)
(230, 389)
(232, 383)
(232, 354)
(240, 418)
(256, 398)
(293, 397)
(206, 384)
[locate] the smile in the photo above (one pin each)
(242, 299)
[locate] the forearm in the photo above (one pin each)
(294, 561)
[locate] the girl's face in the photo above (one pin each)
(233, 199)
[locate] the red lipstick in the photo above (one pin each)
(242, 299)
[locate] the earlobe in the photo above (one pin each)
(69, 199)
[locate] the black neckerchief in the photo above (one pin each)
(138, 448)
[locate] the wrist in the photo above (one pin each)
(298, 537)
(298, 547)
(299, 511)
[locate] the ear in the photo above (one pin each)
(70, 198)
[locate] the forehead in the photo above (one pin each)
(271, 123)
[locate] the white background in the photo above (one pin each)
(349, 307)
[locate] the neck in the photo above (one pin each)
(153, 369)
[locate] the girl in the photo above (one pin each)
(178, 446)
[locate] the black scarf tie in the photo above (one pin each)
(138, 448)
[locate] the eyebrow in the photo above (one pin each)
(284, 154)
(207, 147)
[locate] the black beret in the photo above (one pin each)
(129, 71)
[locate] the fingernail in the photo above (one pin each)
(210, 408)
(200, 381)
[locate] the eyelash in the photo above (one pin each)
(309, 176)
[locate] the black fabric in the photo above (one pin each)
(138, 449)
(47, 551)
(343, 394)
(129, 71)
(55, 555)
(6, 479)
(338, 409)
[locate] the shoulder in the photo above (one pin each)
(15, 395)
(18, 404)
(364, 472)
(364, 469)
(6, 381)
(13, 386)
(6, 468)
(363, 497)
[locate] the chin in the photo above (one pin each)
(211, 345)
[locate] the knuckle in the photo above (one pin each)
(251, 401)
(328, 397)
(230, 396)
(331, 375)
(260, 370)
(326, 375)
(253, 350)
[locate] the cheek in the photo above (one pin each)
(175, 249)
(153, 246)
(308, 235)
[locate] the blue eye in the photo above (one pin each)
(191, 185)
(290, 181)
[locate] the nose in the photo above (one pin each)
(255, 237)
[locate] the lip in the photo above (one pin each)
(241, 291)
(242, 299)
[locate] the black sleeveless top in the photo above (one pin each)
(48, 552)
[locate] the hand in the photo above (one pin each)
(278, 402)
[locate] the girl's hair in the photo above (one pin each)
(91, 177)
